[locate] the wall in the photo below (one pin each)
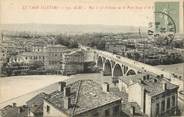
(89, 56)
(148, 105)
(135, 94)
(72, 68)
(53, 111)
(159, 100)
(101, 111)
(123, 86)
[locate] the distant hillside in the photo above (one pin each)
(75, 29)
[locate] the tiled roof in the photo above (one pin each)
(58, 46)
(153, 85)
(37, 99)
(157, 88)
(117, 92)
(36, 103)
(132, 79)
(90, 97)
(14, 111)
(74, 51)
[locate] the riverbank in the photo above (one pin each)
(174, 68)
(11, 87)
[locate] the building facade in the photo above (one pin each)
(72, 62)
(54, 56)
(156, 96)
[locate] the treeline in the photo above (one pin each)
(96, 40)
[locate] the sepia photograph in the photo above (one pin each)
(91, 58)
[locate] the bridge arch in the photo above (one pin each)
(117, 71)
(107, 68)
(131, 72)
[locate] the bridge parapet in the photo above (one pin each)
(131, 63)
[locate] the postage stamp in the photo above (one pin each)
(169, 8)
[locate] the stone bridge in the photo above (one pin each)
(116, 66)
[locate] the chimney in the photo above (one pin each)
(67, 102)
(14, 105)
(132, 110)
(66, 91)
(61, 86)
(161, 76)
(105, 87)
(164, 86)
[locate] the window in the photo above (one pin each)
(48, 109)
(107, 112)
(168, 103)
(157, 108)
(173, 100)
(163, 106)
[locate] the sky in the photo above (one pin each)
(106, 12)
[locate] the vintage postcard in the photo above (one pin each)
(91, 58)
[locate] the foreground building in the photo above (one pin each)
(83, 98)
(156, 96)
(35, 105)
(14, 111)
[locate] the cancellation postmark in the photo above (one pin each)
(166, 23)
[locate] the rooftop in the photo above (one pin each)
(157, 88)
(73, 51)
(56, 46)
(14, 111)
(131, 79)
(36, 103)
(89, 91)
(152, 84)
